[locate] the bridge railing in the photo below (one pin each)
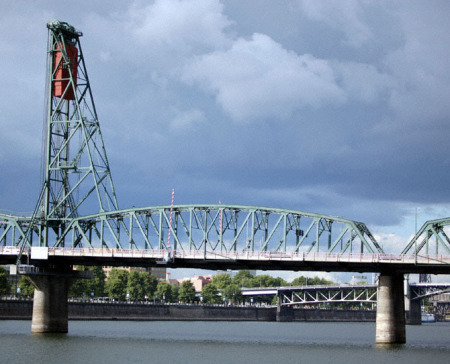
(169, 254)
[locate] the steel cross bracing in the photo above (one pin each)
(77, 176)
(77, 168)
(213, 237)
(423, 290)
(328, 294)
(204, 228)
(431, 239)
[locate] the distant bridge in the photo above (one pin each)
(365, 293)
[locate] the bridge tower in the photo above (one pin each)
(76, 178)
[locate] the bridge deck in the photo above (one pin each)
(314, 261)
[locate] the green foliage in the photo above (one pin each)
(233, 293)
(141, 285)
(164, 292)
(244, 278)
(135, 285)
(221, 280)
(26, 287)
(5, 286)
(187, 292)
(97, 283)
(79, 288)
(175, 293)
(210, 294)
(116, 285)
(150, 283)
(307, 281)
(84, 287)
(266, 280)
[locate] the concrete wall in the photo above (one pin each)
(334, 315)
(22, 310)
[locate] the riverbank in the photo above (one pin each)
(22, 310)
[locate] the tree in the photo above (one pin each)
(243, 278)
(164, 291)
(233, 293)
(306, 281)
(175, 292)
(83, 287)
(299, 281)
(79, 288)
(116, 284)
(97, 283)
(221, 280)
(5, 286)
(135, 285)
(150, 283)
(187, 292)
(268, 281)
(26, 287)
(210, 294)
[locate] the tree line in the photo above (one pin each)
(122, 285)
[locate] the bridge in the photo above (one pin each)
(345, 293)
(77, 219)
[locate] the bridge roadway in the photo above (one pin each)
(300, 261)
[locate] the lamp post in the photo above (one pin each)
(415, 238)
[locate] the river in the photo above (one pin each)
(220, 342)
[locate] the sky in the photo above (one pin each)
(337, 107)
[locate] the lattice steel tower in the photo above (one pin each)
(77, 178)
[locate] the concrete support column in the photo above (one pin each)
(390, 319)
(50, 308)
(415, 313)
(284, 313)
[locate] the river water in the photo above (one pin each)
(220, 342)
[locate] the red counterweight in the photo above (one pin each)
(62, 74)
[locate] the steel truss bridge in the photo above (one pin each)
(215, 237)
(77, 219)
(365, 293)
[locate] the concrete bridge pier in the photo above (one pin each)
(50, 307)
(390, 318)
(413, 308)
(284, 313)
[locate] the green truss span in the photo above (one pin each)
(209, 228)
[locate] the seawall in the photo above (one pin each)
(22, 310)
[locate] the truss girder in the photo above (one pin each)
(424, 290)
(328, 294)
(211, 228)
(431, 239)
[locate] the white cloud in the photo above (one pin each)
(392, 243)
(258, 78)
(344, 16)
(363, 82)
(180, 24)
(187, 120)
(419, 65)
